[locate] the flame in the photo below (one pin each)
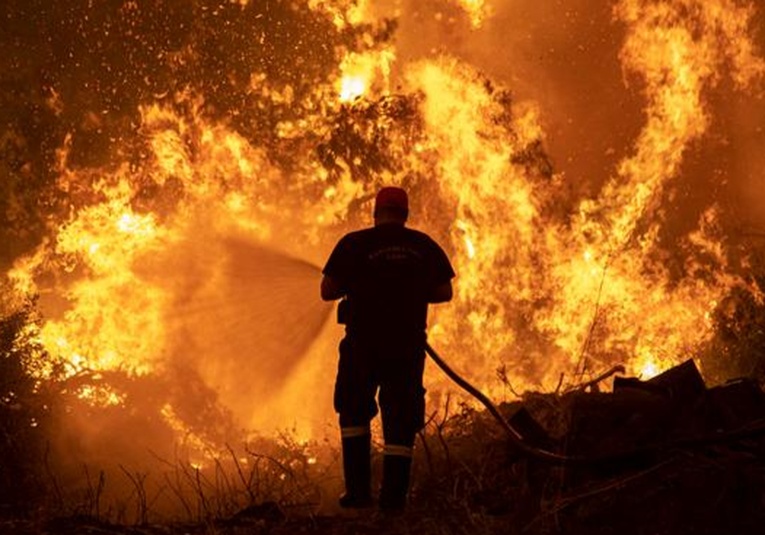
(343, 13)
(548, 281)
(477, 10)
(361, 71)
(676, 66)
(101, 397)
(648, 368)
(103, 240)
(352, 87)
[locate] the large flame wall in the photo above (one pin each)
(173, 175)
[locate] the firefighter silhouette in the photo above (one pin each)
(386, 276)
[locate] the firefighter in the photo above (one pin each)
(386, 276)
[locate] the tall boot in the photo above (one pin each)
(395, 482)
(357, 471)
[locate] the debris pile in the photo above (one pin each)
(664, 456)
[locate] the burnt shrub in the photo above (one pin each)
(23, 414)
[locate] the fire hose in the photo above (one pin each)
(515, 437)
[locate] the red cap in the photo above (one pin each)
(392, 197)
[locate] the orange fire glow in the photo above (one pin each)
(148, 271)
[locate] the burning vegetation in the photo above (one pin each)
(172, 173)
